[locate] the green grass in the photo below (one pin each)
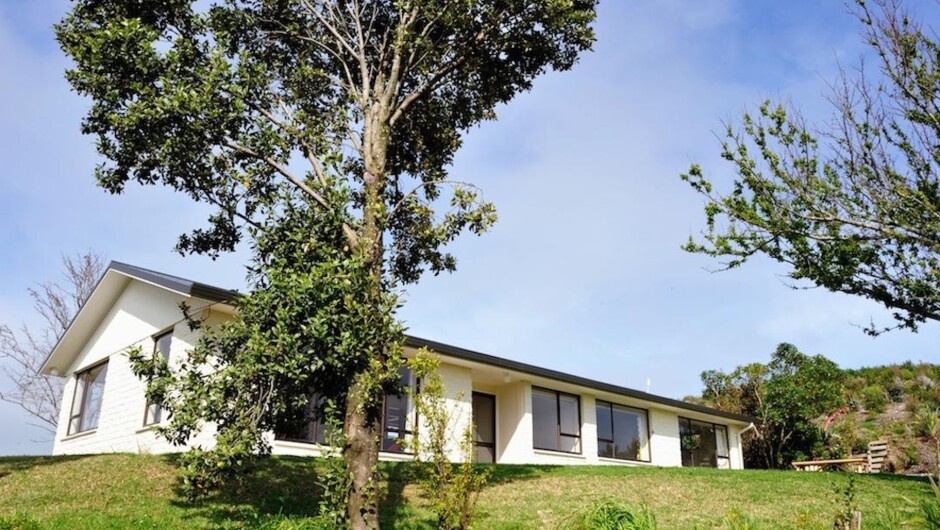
(140, 491)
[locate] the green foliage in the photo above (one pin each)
(453, 490)
(18, 521)
(787, 395)
(931, 508)
(334, 477)
(874, 398)
(308, 327)
(927, 423)
(323, 133)
(848, 504)
(610, 514)
(853, 207)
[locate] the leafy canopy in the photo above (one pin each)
(786, 395)
(322, 130)
(852, 206)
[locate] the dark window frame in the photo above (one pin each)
(714, 425)
(488, 445)
(314, 424)
(646, 413)
(404, 431)
(158, 410)
(559, 434)
(319, 425)
(83, 409)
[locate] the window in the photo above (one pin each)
(86, 401)
(153, 413)
(395, 429)
(556, 421)
(395, 420)
(704, 444)
(310, 429)
(622, 432)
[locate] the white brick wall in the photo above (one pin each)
(139, 312)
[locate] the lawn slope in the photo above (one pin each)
(139, 491)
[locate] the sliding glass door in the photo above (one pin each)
(704, 444)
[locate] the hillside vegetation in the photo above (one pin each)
(809, 408)
(140, 491)
(897, 403)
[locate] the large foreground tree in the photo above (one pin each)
(322, 129)
(854, 205)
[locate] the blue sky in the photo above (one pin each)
(583, 273)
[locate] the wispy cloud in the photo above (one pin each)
(583, 272)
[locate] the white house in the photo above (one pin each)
(522, 414)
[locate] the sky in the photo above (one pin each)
(583, 273)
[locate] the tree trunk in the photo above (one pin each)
(361, 428)
(362, 455)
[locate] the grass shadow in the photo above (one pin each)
(399, 510)
(276, 487)
(16, 464)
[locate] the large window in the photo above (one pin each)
(622, 432)
(704, 444)
(397, 420)
(86, 401)
(153, 413)
(556, 421)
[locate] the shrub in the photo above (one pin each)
(927, 423)
(896, 390)
(453, 489)
(609, 514)
(875, 398)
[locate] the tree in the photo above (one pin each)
(338, 117)
(23, 354)
(786, 395)
(853, 206)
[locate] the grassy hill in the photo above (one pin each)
(139, 491)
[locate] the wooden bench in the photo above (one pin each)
(870, 462)
(855, 463)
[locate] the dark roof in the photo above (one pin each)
(175, 283)
(469, 355)
(210, 292)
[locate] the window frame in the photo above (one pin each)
(82, 410)
(558, 431)
(412, 414)
(611, 405)
(488, 445)
(713, 425)
(410, 410)
(158, 412)
(314, 424)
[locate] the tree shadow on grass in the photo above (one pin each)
(17, 464)
(276, 487)
(287, 487)
(401, 510)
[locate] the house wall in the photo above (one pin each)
(514, 431)
(142, 310)
(138, 313)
